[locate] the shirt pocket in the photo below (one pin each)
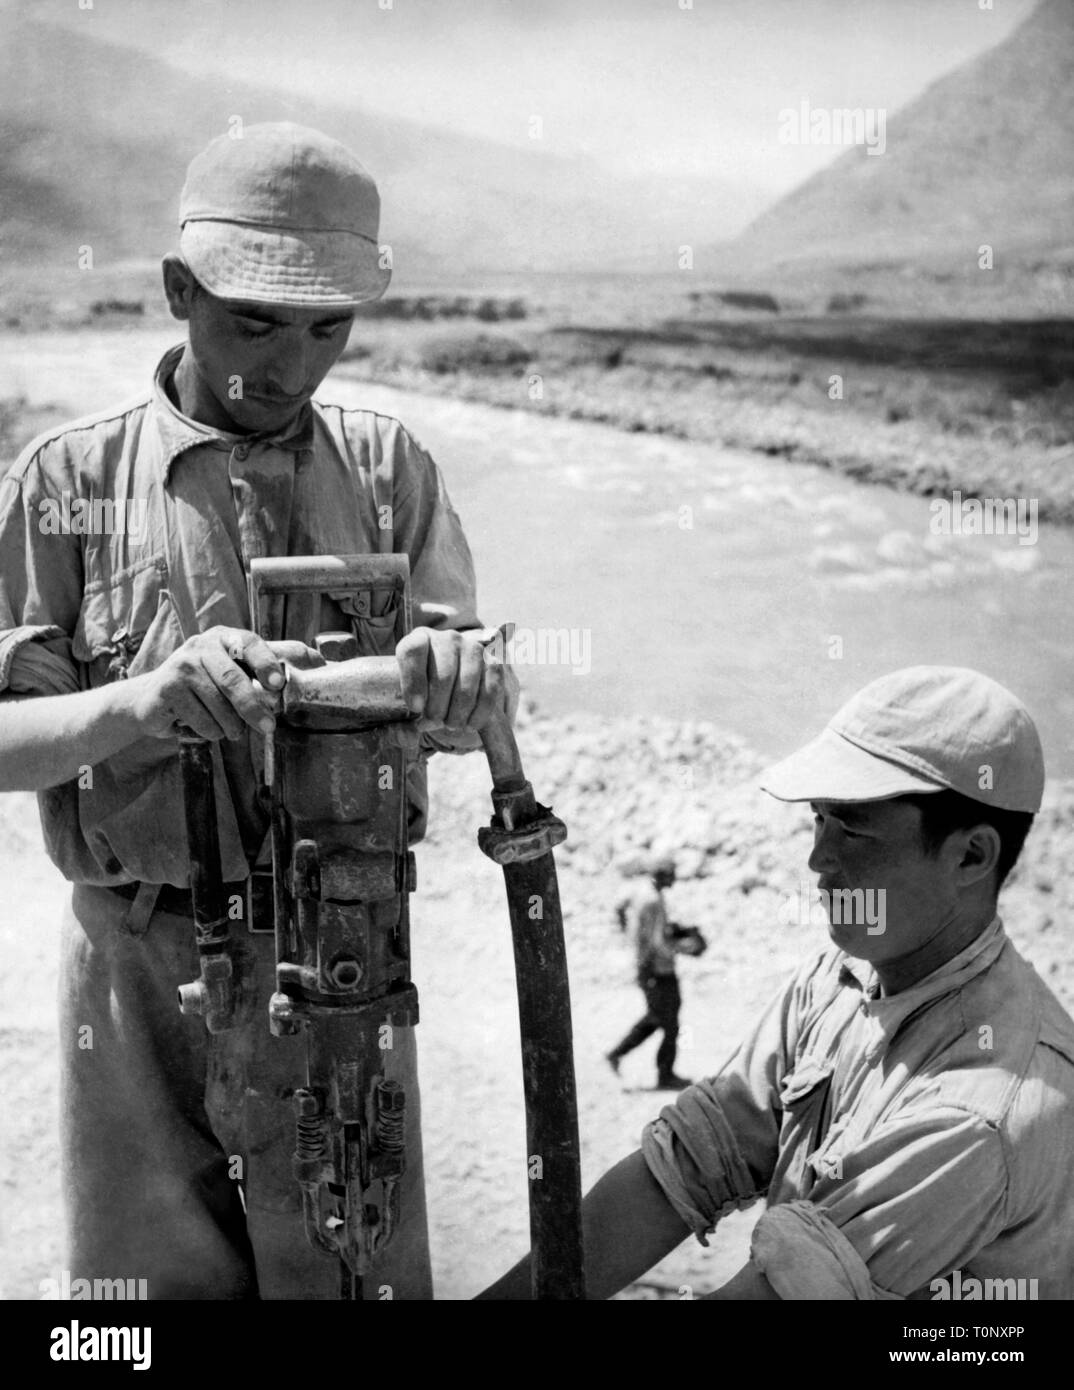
(126, 623)
(804, 1097)
(376, 632)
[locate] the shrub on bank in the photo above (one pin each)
(475, 352)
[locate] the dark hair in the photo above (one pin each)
(944, 812)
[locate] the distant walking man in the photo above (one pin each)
(656, 941)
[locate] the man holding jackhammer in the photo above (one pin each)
(177, 1144)
(905, 1104)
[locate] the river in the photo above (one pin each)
(691, 581)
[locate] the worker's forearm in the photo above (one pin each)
(49, 739)
(628, 1226)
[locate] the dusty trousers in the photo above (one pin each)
(663, 1001)
(166, 1130)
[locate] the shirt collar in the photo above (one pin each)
(891, 1012)
(179, 433)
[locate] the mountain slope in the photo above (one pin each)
(984, 155)
(95, 139)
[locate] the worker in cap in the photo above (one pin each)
(656, 940)
(921, 730)
(928, 750)
(905, 1104)
(283, 215)
(177, 1144)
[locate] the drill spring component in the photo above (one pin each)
(311, 1128)
(391, 1117)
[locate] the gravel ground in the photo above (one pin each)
(621, 785)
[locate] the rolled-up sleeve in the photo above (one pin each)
(804, 1255)
(715, 1150)
(918, 1198)
(14, 639)
(40, 587)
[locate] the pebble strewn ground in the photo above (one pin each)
(621, 786)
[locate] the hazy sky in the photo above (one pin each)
(639, 85)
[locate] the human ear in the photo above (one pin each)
(979, 850)
(179, 285)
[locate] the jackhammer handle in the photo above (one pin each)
(501, 749)
(320, 574)
(276, 577)
(369, 688)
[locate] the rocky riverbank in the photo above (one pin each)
(928, 406)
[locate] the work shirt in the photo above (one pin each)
(176, 512)
(645, 919)
(897, 1139)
